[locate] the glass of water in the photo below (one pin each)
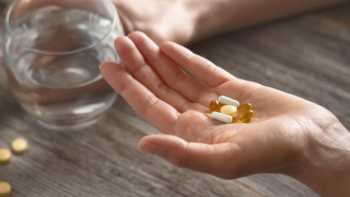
(52, 50)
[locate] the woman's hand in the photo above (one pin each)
(162, 20)
(185, 21)
(171, 88)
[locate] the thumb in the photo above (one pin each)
(262, 149)
(214, 159)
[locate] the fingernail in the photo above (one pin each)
(152, 149)
(147, 147)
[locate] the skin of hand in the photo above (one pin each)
(185, 21)
(162, 20)
(171, 87)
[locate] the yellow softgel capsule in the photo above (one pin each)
(5, 156)
(5, 189)
(247, 117)
(244, 108)
(229, 110)
(215, 106)
(19, 146)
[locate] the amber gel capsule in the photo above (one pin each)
(215, 106)
(247, 117)
(244, 108)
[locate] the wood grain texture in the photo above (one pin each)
(307, 56)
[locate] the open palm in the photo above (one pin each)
(171, 88)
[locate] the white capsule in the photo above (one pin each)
(221, 117)
(228, 101)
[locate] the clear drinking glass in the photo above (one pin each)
(52, 50)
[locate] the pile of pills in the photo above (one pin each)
(228, 110)
(18, 147)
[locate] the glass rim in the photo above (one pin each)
(8, 28)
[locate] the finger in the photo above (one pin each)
(136, 65)
(171, 73)
(144, 102)
(199, 67)
(213, 159)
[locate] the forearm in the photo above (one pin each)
(325, 165)
(225, 15)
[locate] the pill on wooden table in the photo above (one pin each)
(229, 110)
(228, 101)
(5, 189)
(221, 117)
(5, 156)
(19, 146)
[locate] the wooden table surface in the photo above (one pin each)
(308, 56)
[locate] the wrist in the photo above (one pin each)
(209, 16)
(325, 163)
(214, 17)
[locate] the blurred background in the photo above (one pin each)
(3, 3)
